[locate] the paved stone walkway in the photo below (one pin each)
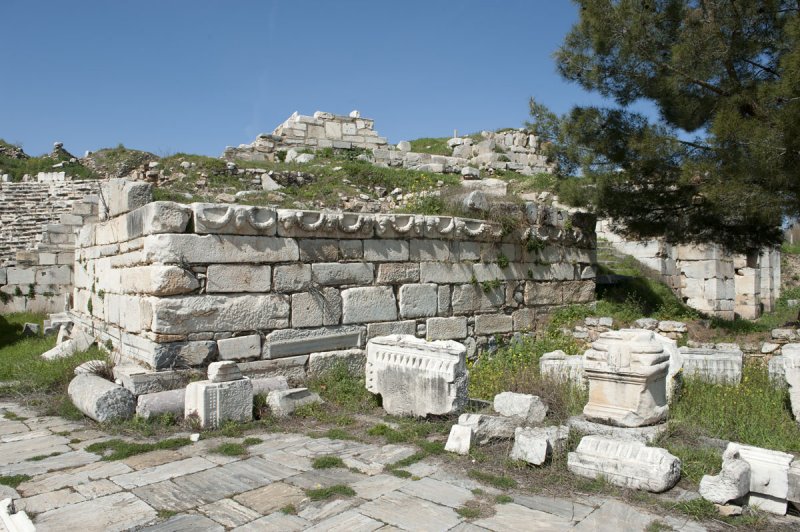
(194, 489)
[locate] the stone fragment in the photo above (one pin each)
(728, 510)
(625, 463)
(140, 380)
(562, 367)
(14, 521)
(486, 428)
(224, 371)
(240, 347)
(475, 201)
(415, 377)
(353, 360)
(158, 403)
(648, 434)
(712, 365)
(213, 403)
(404, 145)
(627, 372)
(30, 329)
(100, 399)
(769, 476)
(535, 445)
(732, 483)
(80, 341)
(120, 196)
(791, 373)
(283, 402)
(529, 409)
(290, 342)
(264, 385)
(650, 324)
(460, 439)
(672, 326)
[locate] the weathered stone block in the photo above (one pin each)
(292, 278)
(216, 402)
(354, 360)
(140, 381)
(460, 440)
(190, 314)
(398, 273)
(625, 463)
(712, 365)
(292, 342)
(437, 272)
(769, 476)
(732, 483)
(560, 366)
(240, 348)
(486, 324)
(385, 250)
(351, 249)
(238, 278)
(415, 377)
(418, 300)
(535, 445)
(529, 409)
(368, 304)
(486, 428)
(224, 371)
(157, 280)
(391, 327)
(283, 402)
(220, 218)
(334, 274)
(205, 249)
(627, 372)
(159, 403)
(313, 309)
(100, 399)
(120, 196)
(293, 368)
(318, 250)
(446, 328)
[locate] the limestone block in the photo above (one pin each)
(193, 353)
(712, 365)
(627, 373)
(486, 428)
(769, 476)
(213, 403)
(292, 277)
(649, 324)
(535, 445)
(264, 385)
(319, 249)
(313, 309)
(386, 250)
(120, 196)
(446, 328)
(468, 299)
(100, 399)
(625, 463)
(528, 409)
(560, 366)
(238, 278)
(156, 280)
(224, 371)
(437, 272)
(54, 275)
(153, 218)
(460, 440)
(354, 360)
(139, 380)
(220, 218)
(426, 250)
(398, 273)
(368, 304)
(191, 314)
(418, 300)
(292, 368)
(794, 483)
(351, 249)
(21, 276)
(394, 327)
(672, 326)
(415, 377)
(205, 249)
(732, 483)
(291, 342)
(486, 324)
(334, 274)
(283, 402)
(159, 403)
(240, 348)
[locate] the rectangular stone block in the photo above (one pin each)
(20, 276)
(439, 272)
(398, 273)
(385, 250)
(197, 249)
(54, 275)
(318, 250)
(424, 250)
(351, 249)
(213, 403)
(524, 319)
(368, 304)
(313, 309)
(238, 278)
(444, 295)
(418, 300)
(493, 323)
(290, 342)
(293, 368)
(240, 348)
(415, 377)
(408, 327)
(712, 365)
(334, 274)
(191, 314)
(121, 196)
(469, 298)
(153, 280)
(446, 328)
(291, 278)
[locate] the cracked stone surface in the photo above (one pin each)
(192, 488)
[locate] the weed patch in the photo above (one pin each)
(327, 462)
(230, 449)
(498, 481)
(120, 449)
(326, 493)
(13, 480)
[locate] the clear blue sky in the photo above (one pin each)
(195, 76)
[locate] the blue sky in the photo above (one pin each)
(195, 76)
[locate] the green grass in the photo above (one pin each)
(468, 512)
(400, 473)
(13, 480)
(120, 449)
(498, 481)
(230, 449)
(33, 165)
(432, 145)
(11, 416)
(327, 462)
(326, 493)
(252, 441)
(40, 457)
(289, 509)
(166, 514)
(790, 249)
(343, 389)
(339, 434)
(503, 499)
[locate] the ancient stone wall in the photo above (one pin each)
(171, 284)
(706, 277)
(40, 224)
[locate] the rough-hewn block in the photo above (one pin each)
(197, 249)
(368, 304)
(292, 342)
(385, 250)
(446, 328)
(291, 277)
(238, 278)
(318, 250)
(240, 347)
(334, 274)
(418, 300)
(391, 327)
(157, 280)
(189, 314)
(398, 273)
(313, 309)
(493, 324)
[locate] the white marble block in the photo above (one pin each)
(562, 367)
(628, 464)
(227, 396)
(712, 365)
(769, 476)
(460, 439)
(627, 372)
(527, 408)
(415, 377)
(732, 483)
(534, 445)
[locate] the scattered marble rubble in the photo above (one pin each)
(226, 395)
(100, 399)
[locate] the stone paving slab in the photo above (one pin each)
(439, 492)
(349, 521)
(120, 511)
(161, 472)
(616, 515)
(49, 501)
(52, 463)
(320, 510)
(185, 523)
(277, 521)
(271, 498)
(229, 513)
(410, 513)
(554, 505)
(324, 478)
(516, 517)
